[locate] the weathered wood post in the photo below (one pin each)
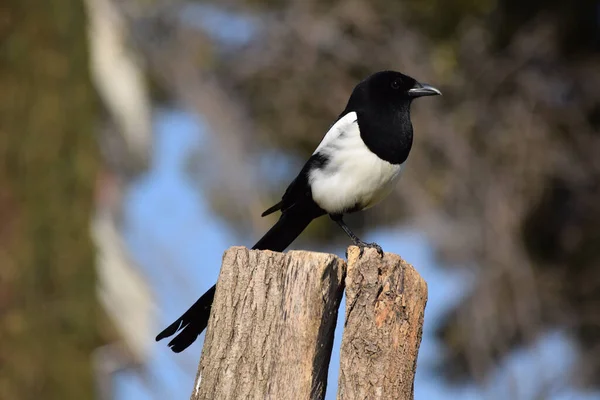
(385, 306)
(271, 328)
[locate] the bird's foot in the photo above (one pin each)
(363, 245)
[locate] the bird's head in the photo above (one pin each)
(394, 88)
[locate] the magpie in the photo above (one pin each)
(355, 166)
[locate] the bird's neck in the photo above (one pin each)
(387, 132)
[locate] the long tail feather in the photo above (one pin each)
(285, 231)
(278, 238)
(190, 324)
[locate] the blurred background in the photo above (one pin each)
(141, 138)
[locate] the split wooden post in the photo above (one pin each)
(385, 306)
(271, 328)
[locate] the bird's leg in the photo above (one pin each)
(355, 239)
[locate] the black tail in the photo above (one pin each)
(190, 324)
(287, 229)
(278, 238)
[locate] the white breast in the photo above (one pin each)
(354, 177)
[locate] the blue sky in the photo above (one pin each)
(178, 242)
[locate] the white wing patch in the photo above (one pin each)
(342, 125)
(353, 177)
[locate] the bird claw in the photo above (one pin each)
(362, 245)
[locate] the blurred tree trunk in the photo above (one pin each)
(48, 162)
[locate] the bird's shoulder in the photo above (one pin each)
(299, 189)
(346, 124)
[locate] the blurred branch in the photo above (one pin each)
(119, 79)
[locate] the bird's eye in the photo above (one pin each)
(395, 85)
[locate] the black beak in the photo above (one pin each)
(423, 89)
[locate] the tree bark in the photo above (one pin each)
(48, 165)
(271, 328)
(385, 305)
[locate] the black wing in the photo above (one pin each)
(299, 190)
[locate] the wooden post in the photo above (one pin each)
(385, 305)
(271, 328)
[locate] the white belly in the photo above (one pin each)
(353, 178)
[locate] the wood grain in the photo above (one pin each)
(271, 328)
(385, 305)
